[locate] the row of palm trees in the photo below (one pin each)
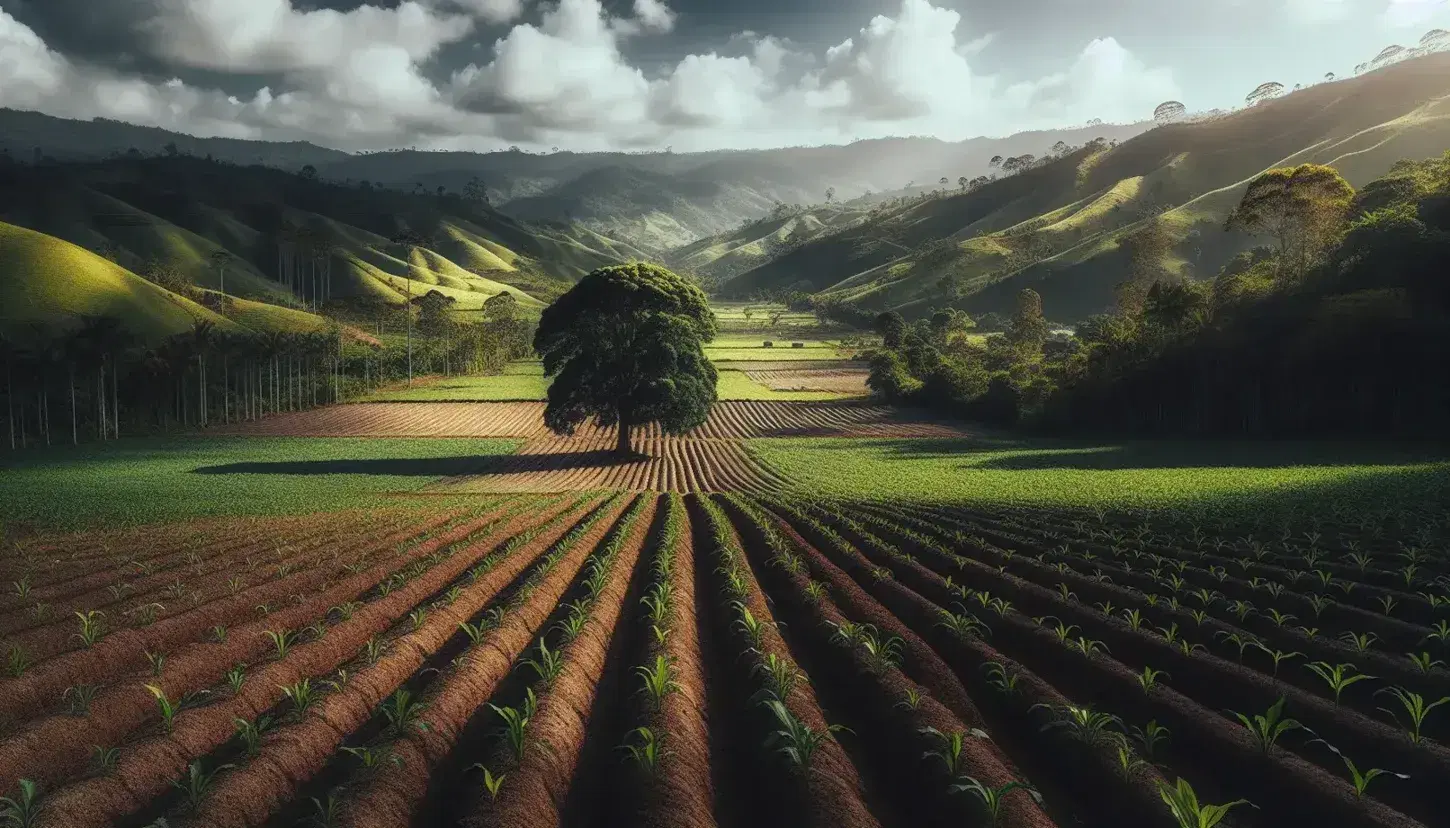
(94, 380)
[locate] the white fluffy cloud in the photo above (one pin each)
(1404, 13)
(361, 78)
(493, 11)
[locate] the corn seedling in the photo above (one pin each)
(235, 677)
(1129, 763)
(646, 750)
(24, 810)
(795, 739)
(1148, 679)
(1424, 661)
(197, 782)
(1134, 619)
(105, 758)
(91, 627)
(1149, 736)
(1414, 707)
(374, 650)
(1267, 729)
(753, 628)
(963, 625)
(910, 700)
(1336, 676)
(949, 748)
(1360, 780)
(403, 711)
(219, 634)
(326, 814)
(992, 799)
(1183, 803)
(157, 662)
(250, 732)
(1359, 642)
(418, 617)
(658, 679)
(373, 759)
(1082, 723)
(781, 677)
(78, 698)
(282, 641)
(515, 723)
(998, 677)
(491, 783)
(165, 706)
(1278, 656)
(548, 665)
(301, 693)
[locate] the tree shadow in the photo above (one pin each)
(1009, 454)
(470, 466)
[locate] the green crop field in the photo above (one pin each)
(526, 381)
(1195, 476)
(152, 479)
(498, 388)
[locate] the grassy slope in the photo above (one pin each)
(1086, 203)
(146, 480)
(45, 280)
(728, 254)
(182, 210)
(1190, 476)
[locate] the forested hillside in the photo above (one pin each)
(1069, 224)
(1337, 322)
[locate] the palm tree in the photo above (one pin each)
(106, 340)
(202, 339)
(10, 352)
(219, 260)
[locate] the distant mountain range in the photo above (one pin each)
(654, 201)
(890, 235)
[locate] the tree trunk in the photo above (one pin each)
(74, 439)
(623, 447)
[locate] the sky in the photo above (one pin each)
(690, 75)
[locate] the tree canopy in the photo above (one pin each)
(625, 346)
(1300, 208)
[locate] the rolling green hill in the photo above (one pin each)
(284, 235)
(1058, 226)
(723, 256)
(47, 282)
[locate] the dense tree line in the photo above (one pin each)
(94, 380)
(1339, 324)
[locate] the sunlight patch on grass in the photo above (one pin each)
(1193, 476)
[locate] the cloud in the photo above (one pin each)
(1320, 11)
(493, 11)
(370, 78)
(1405, 13)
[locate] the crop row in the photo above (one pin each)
(731, 660)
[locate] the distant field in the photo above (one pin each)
(526, 381)
(144, 480)
(1207, 475)
(776, 354)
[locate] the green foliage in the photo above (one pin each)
(624, 346)
(1183, 803)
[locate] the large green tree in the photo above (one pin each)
(625, 347)
(1302, 209)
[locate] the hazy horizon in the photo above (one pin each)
(600, 75)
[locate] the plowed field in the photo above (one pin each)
(642, 659)
(734, 420)
(845, 381)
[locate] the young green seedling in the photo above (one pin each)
(993, 799)
(1267, 729)
(1414, 707)
(1359, 780)
(1336, 676)
(1183, 803)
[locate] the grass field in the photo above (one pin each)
(153, 479)
(1207, 475)
(525, 381)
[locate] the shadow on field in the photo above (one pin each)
(433, 466)
(1032, 455)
